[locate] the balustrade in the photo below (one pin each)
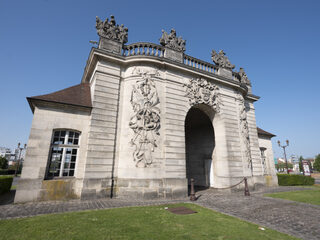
(145, 49)
(151, 49)
(199, 64)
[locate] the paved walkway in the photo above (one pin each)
(297, 219)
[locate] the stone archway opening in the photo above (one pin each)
(200, 143)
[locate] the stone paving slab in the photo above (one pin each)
(296, 219)
(38, 208)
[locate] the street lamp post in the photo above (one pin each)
(284, 150)
(20, 150)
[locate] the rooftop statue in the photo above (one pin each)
(221, 60)
(112, 31)
(243, 77)
(172, 41)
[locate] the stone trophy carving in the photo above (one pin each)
(172, 41)
(201, 91)
(110, 30)
(243, 77)
(221, 60)
(244, 130)
(145, 122)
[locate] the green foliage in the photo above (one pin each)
(14, 167)
(3, 163)
(294, 180)
(136, 223)
(6, 172)
(283, 166)
(316, 164)
(300, 164)
(5, 183)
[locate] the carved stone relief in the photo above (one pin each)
(221, 60)
(201, 91)
(145, 122)
(112, 31)
(243, 77)
(244, 130)
(172, 41)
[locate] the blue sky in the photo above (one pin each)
(44, 46)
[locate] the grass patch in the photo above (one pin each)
(153, 222)
(306, 196)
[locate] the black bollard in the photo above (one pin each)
(246, 188)
(192, 193)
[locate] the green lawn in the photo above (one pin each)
(135, 223)
(311, 196)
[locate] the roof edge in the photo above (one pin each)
(32, 103)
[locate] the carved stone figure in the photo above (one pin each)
(110, 30)
(244, 130)
(172, 41)
(201, 91)
(221, 60)
(243, 77)
(145, 122)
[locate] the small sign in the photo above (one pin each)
(306, 169)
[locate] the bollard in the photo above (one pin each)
(246, 188)
(192, 193)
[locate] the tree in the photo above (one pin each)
(300, 164)
(316, 164)
(283, 166)
(3, 163)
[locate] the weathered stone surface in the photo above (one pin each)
(137, 140)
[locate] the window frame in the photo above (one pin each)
(64, 147)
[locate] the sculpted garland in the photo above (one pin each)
(201, 91)
(145, 122)
(245, 130)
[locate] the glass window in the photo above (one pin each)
(63, 156)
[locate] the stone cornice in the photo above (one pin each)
(98, 54)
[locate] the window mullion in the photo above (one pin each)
(62, 161)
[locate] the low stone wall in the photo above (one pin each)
(30, 190)
(170, 188)
(58, 189)
(94, 188)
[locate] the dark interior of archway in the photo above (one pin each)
(200, 143)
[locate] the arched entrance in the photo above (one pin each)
(200, 143)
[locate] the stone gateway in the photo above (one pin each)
(145, 119)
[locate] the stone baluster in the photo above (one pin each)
(161, 52)
(147, 52)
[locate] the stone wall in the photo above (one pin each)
(271, 174)
(99, 168)
(46, 119)
(133, 142)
